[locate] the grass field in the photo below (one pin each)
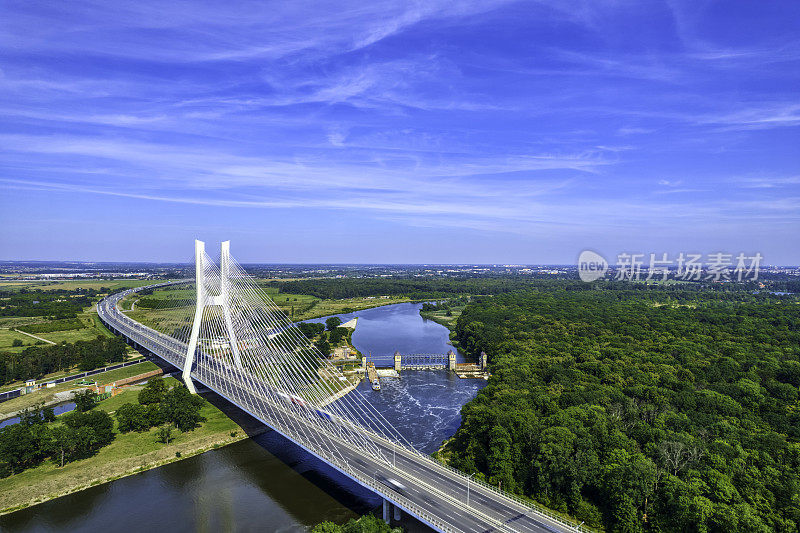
(307, 306)
(93, 328)
(72, 284)
(70, 336)
(7, 322)
(296, 306)
(335, 307)
(128, 454)
(46, 395)
(7, 337)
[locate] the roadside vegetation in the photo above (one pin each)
(639, 409)
(365, 524)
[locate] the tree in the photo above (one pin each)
(336, 335)
(164, 434)
(153, 392)
(368, 524)
(85, 400)
(132, 417)
(16, 343)
(182, 408)
(22, 446)
(365, 524)
(323, 346)
(61, 444)
(48, 414)
(333, 322)
(327, 527)
(311, 329)
(100, 422)
(68, 443)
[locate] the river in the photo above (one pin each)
(266, 483)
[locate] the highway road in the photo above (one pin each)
(414, 482)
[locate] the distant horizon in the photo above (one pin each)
(291, 263)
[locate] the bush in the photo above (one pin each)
(16, 343)
(164, 434)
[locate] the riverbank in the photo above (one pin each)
(325, 308)
(128, 454)
(444, 319)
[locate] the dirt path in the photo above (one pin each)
(35, 337)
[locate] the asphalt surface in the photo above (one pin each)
(416, 483)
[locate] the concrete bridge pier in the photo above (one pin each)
(398, 361)
(397, 514)
(387, 511)
(451, 361)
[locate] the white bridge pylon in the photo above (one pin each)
(204, 300)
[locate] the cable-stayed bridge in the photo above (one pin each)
(223, 331)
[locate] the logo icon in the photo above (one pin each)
(591, 266)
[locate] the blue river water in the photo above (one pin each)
(58, 409)
(266, 483)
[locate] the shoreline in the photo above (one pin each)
(186, 451)
(128, 454)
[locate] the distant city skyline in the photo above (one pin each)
(390, 132)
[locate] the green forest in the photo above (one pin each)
(639, 410)
(37, 361)
(58, 304)
(414, 288)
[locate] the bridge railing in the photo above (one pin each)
(533, 506)
(398, 499)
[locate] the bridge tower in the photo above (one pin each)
(451, 360)
(484, 361)
(205, 300)
(398, 361)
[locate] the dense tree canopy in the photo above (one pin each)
(34, 438)
(57, 303)
(37, 361)
(416, 288)
(640, 410)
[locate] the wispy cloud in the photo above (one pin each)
(520, 118)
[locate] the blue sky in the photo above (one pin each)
(408, 132)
